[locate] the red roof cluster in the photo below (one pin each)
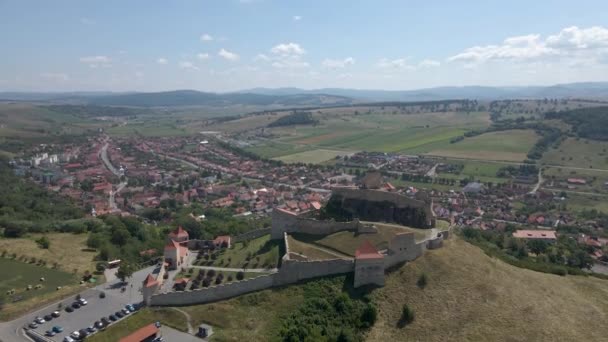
(178, 233)
(142, 334)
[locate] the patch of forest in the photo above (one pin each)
(590, 123)
(296, 118)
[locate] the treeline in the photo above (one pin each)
(590, 123)
(515, 171)
(27, 207)
(296, 118)
(88, 111)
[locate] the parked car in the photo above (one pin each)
(113, 318)
(50, 333)
(68, 339)
(130, 307)
(57, 329)
(33, 325)
(83, 301)
(92, 329)
(83, 334)
(48, 318)
(126, 311)
(98, 325)
(75, 335)
(102, 295)
(119, 314)
(76, 305)
(56, 314)
(39, 320)
(69, 309)
(105, 321)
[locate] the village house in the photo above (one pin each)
(546, 235)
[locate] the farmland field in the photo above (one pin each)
(351, 129)
(579, 153)
(511, 145)
(18, 275)
(313, 156)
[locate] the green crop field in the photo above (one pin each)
(313, 156)
(511, 145)
(353, 129)
(579, 153)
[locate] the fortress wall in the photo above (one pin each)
(214, 293)
(403, 247)
(436, 242)
(285, 222)
(293, 271)
(254, 234)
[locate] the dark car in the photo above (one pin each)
(119, 314)
(69, 309)
(113, 318)
(48, 318)
(76, 305)
(83, 334)
(98, 325)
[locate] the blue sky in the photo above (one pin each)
(236, 44)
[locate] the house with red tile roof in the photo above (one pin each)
(223, 240)
(175, 254)
(147, 333)
(179, 234)
(548, 235)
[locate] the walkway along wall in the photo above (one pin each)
(284, 221)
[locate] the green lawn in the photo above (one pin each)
(308, 250)
(261, 252)
(347, 242)
(511, 145)
(18, 275)
(139, 320)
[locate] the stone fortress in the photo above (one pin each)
(368, 266)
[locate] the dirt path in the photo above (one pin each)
(188, 320)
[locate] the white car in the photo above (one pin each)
(68, 339)
(83, 301)
(40, 320)
(75, 334)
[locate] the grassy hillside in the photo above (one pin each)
(472, 297)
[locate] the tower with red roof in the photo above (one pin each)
(369, 265)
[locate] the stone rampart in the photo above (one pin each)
(214, 293)
(254, 234)
(287, 222)
(402, 248)
(293, 271)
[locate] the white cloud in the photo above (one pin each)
(203, 56)
(162, 60)
(231, 56)
(96, 61)
(57, 77)
(206, 38)
(297, 18)
(338, 63)
(288, 49)
(428, 63)
(187, 65)
(571, 44)
(397, 64)
(285, 56)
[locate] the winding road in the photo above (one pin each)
(106, 161)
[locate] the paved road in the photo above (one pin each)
(106, 161)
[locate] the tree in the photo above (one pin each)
(240, 275)
(537, 246)
(125, 271)
(369, 315)
(43, 242)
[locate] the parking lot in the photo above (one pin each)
(115, 299)
(85, 316)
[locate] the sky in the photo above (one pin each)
(227, 45)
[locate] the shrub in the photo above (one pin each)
(407, 315)
(211, 273)
(240, 275)
(368, 318)
(422, 281)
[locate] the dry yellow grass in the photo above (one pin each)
(66, 249)
(472, 297)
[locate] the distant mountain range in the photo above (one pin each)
(595, 90)
(295, 97)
